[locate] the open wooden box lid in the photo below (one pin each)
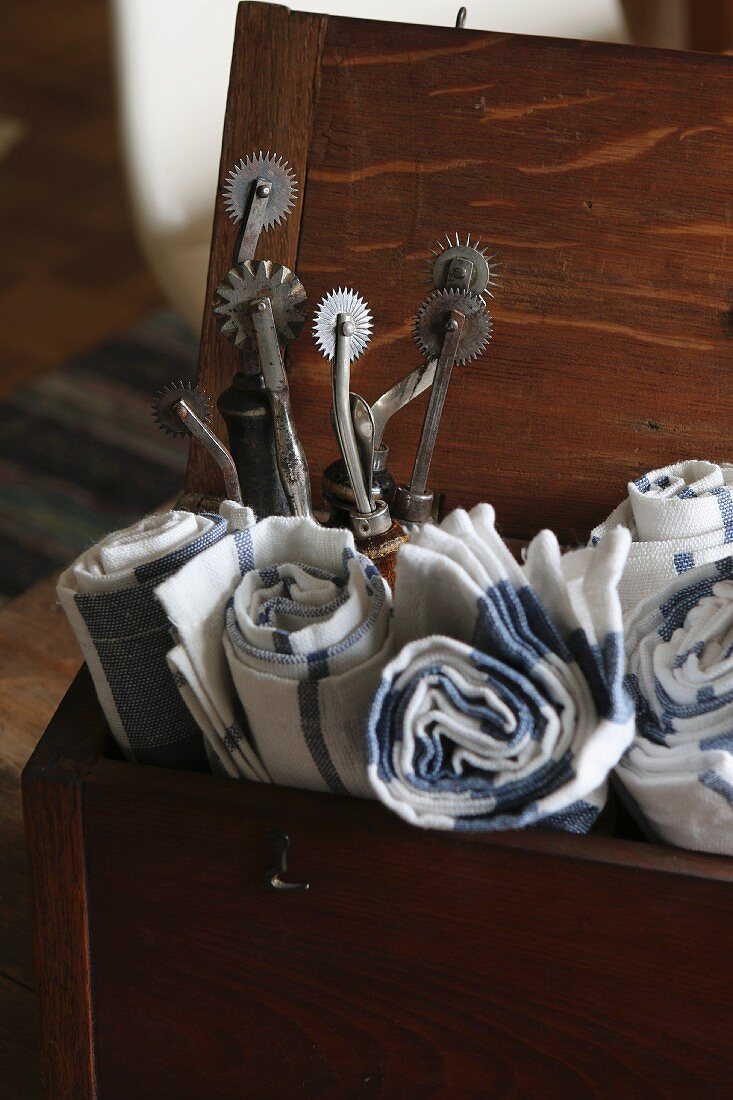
(600, 175)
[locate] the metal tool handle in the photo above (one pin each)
(291, 461)
(340, 380)
(415, 502)
(253, 221)
(443, 370)
(409, 387)
(361, 418)
(214, 446)
(363, 421)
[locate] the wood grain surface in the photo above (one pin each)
(38, 658)
(710, 25)
(54, 825)
(599, 174)
(417, 964)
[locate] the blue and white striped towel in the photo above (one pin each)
(679, 770)
(107, 594)
(679, 517)
(506, 706)
(292, 619)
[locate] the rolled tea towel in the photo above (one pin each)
(282, 647)
(506, 705)
(107, 594)
(679, 770)
(680, 516)
(195, 600)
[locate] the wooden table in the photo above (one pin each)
(38, 659)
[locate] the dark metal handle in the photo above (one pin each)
(246, 409)
(453, 329)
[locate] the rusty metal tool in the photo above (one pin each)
(453, 265)
(259, 193)
(262, 306)
(180, 408)
(342, 329)
(451, 326)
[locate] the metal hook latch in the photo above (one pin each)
(280, 842)
(461, 19)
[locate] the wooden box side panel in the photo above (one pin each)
(53, 782)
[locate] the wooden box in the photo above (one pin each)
(425, 964)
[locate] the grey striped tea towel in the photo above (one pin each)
(680, 516)
(283, 632)
(679, 770)
(107, 594)
(506, 706)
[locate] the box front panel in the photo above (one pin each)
(415, 964)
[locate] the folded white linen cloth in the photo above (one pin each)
(107, 594)
(287, 620)
(679, 770)
(680, 516)
(506, 707)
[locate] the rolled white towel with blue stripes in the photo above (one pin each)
(679, 516)
(679, 770)
(124, 634)
(283, 633)
(505, 706)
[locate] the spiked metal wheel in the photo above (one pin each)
(254, 279)
(429, 327)
(331, 305)
(166, 399)
(259, 166)
(462, 266)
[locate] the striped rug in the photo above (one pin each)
(80, 453)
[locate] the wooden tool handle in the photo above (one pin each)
(383, 550)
